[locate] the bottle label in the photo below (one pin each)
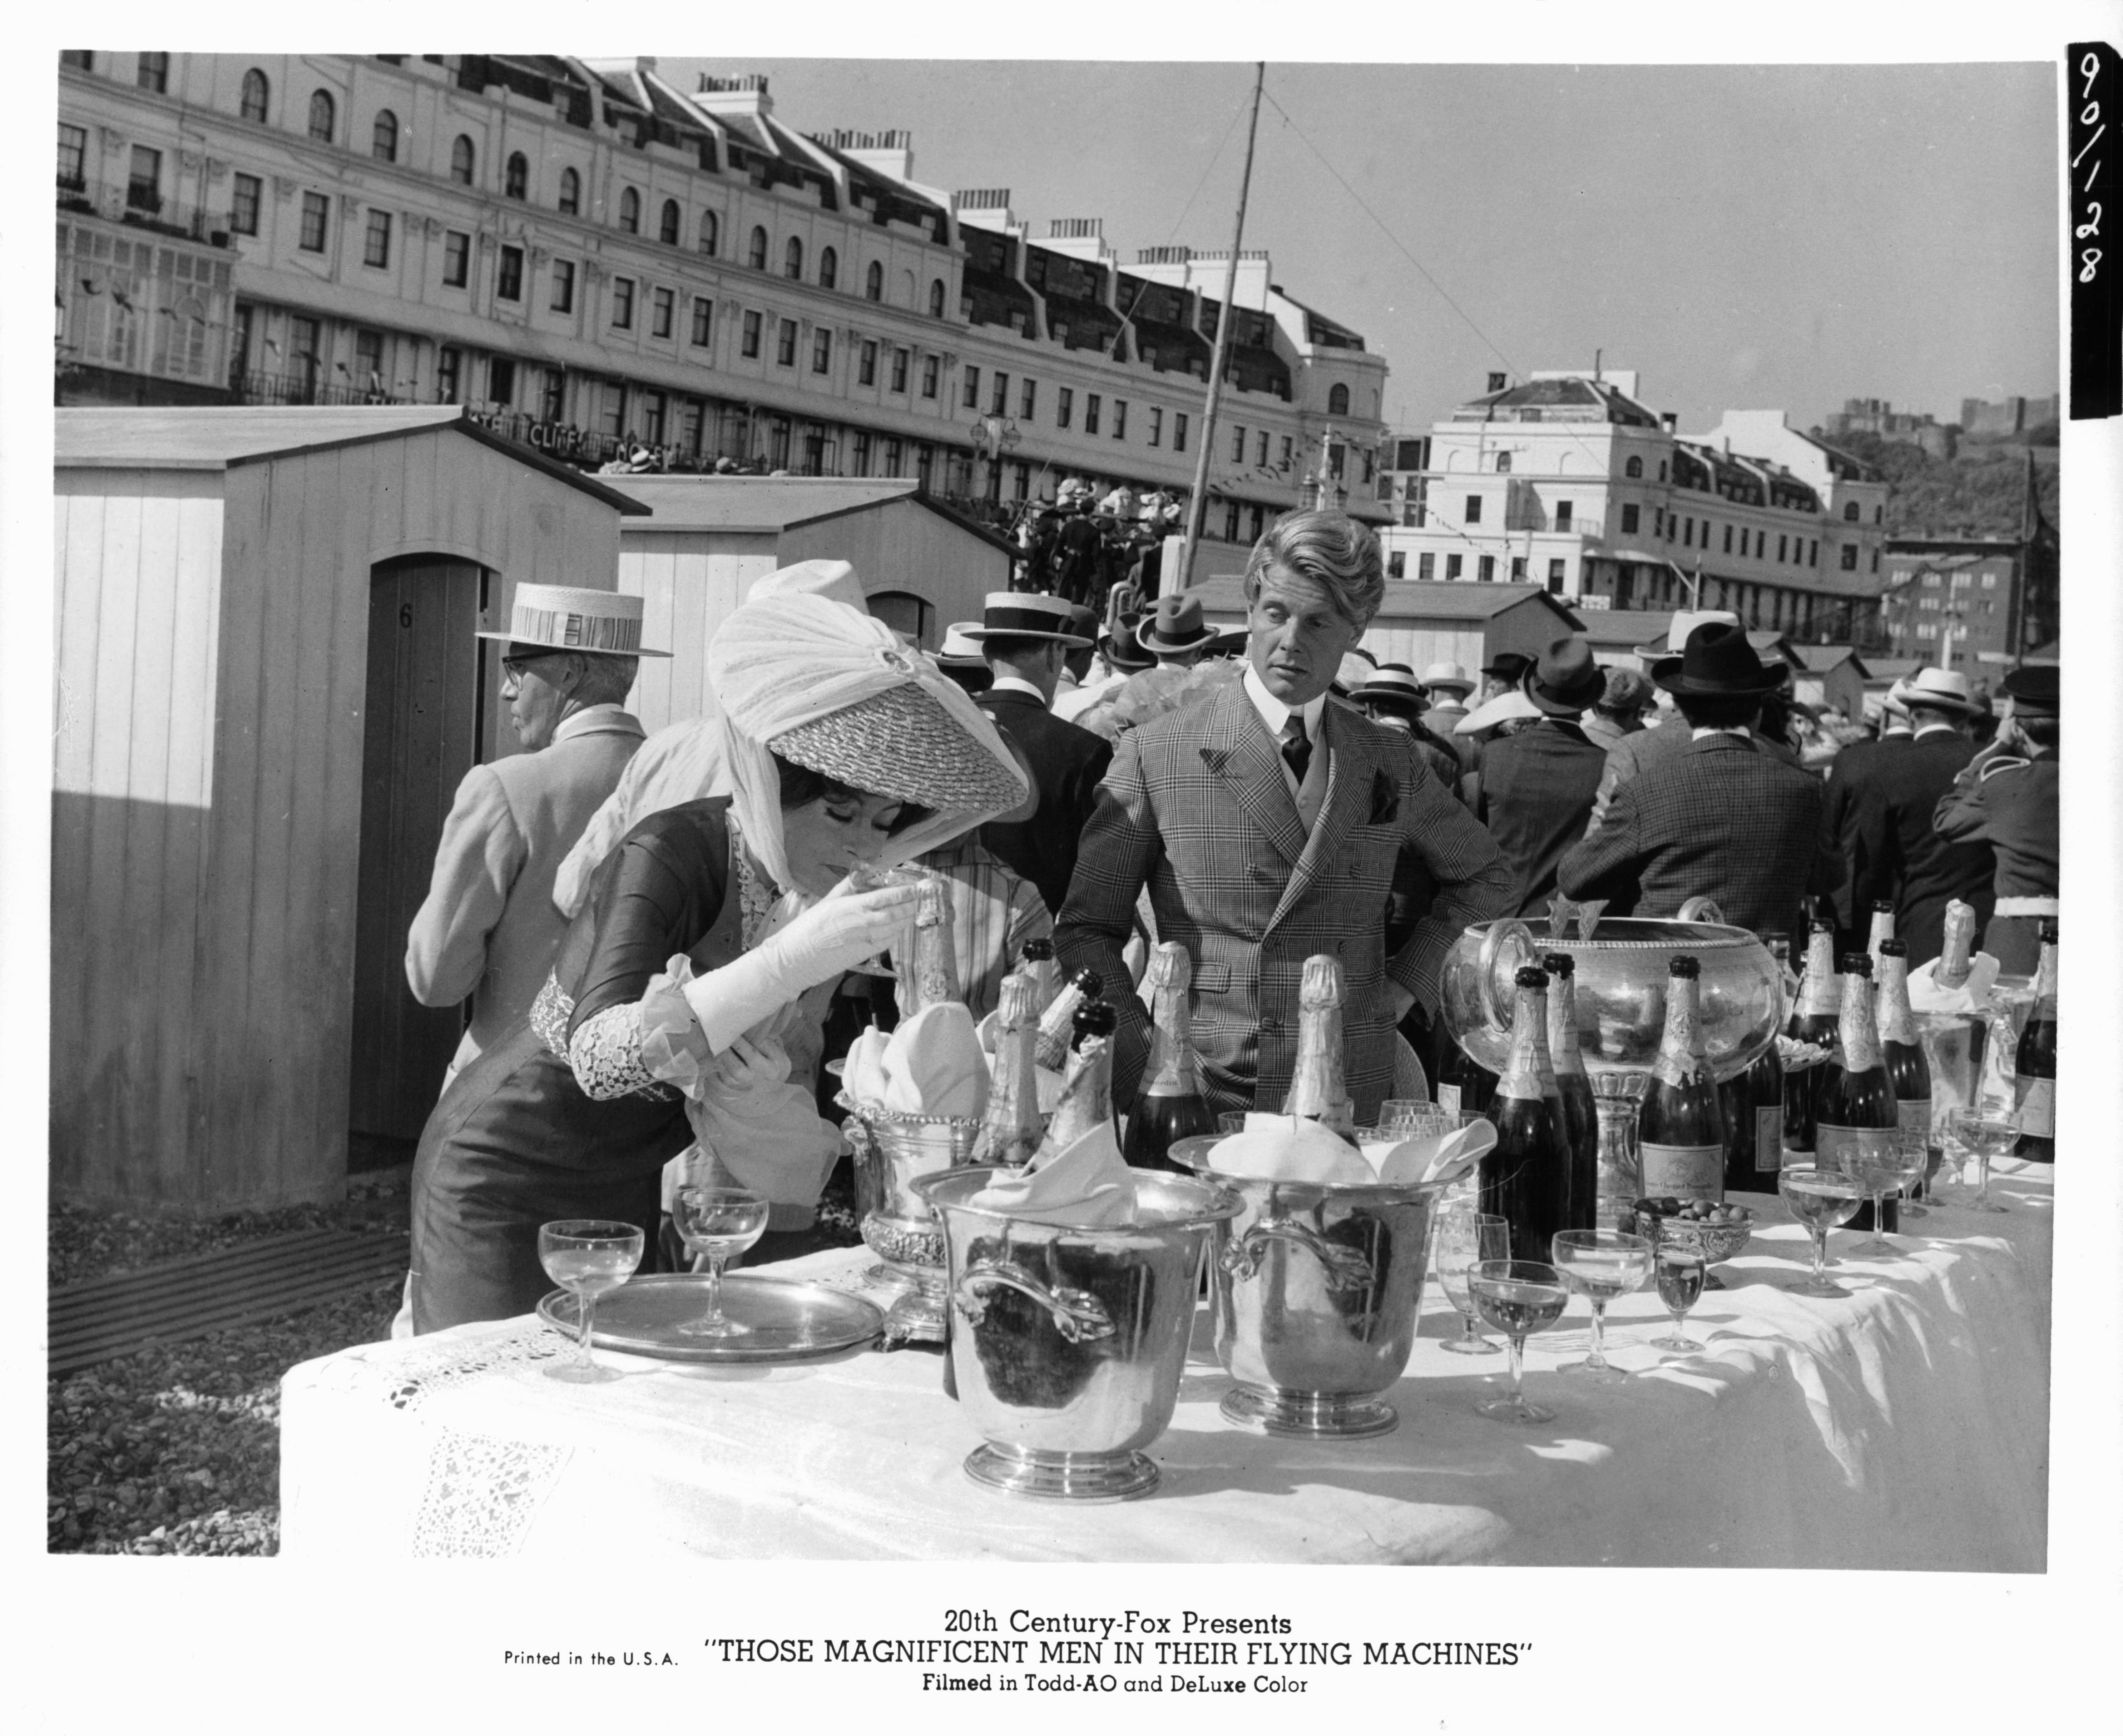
(1914, 1116)
(2037, 1101)
(1769, 1139)
(1848, 1148)
(1686, 1172)
(1448, 1099)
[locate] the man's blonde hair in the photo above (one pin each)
(1332, 550)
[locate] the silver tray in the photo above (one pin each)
(790, 1318)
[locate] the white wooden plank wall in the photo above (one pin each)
(688, 581)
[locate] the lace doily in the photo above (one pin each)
(482, 1493)
(445, 1363)
(757, 894)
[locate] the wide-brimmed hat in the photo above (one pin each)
(1175, 625)
(1027, 615)
(1499, 708)
(960, 650)
(1718, 660)
(1946, 688)
(568, 618)
(1394, 687)
(2034, 690)
(1508, 666)
(1564, 680)
(1684, 622)
(1447, 678)
(833, 579)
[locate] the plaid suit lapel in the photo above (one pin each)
(1350, 766)
(1237, 750)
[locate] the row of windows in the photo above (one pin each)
(1960, 581)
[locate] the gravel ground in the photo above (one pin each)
(176, 1449)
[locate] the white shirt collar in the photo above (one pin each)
(1275, 713)
(1015, 684)
(590, 717)
(1740, 730)
(1933, 729)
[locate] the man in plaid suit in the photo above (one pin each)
(1268, 824)
(1722, 818)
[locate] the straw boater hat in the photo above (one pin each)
(1449, 679)
(1026, 615)
(1946, 689)
(2034, 691)
(1175, 626)
(1718, 660)
(1684, 622)
(568, 618)
(1564, 680)
(1394, 686)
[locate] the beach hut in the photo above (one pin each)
(1830, 675)
(267, 689)
(1422, 622)
(922, 566)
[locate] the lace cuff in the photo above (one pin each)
(605, 1053)
(673, 1046)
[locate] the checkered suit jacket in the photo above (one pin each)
(1195, 808)
(1724, 818)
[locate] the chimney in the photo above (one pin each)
(744, 94)
(1668, 420)
(1496, 382)
(1079, 237)
(890, 153)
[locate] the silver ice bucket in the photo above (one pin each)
(1068, 1343)
(1315, 1294)
(893, 1152)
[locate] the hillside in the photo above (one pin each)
(1980, 492)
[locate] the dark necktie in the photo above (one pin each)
(1297, 750)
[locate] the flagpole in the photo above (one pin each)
(1198, 503)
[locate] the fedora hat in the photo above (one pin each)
(1118, 640)
(1684, 622)
(960, 650)
(1946, 689)
(1449, 679)
(2034, 690)
(568, 618)
(1564, 680)
(1508, 666)
(1027, 615)
(1718, 660)
(1175, 625)
(1394, 687)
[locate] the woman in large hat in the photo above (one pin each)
(689, 990)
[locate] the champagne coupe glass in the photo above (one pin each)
(1679, 1273)
(1517, 1296)
(1819, 1199)
(588, 1257)
(1988, 1131)
(718, 1222)
(1466, 1239)
(1880, 1167)
(1601, 1264)
(1230, 1122)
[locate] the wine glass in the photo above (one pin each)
(1230, 1122)
(1990, 1131)
(718, 1222)
(1819, 1199)
(588, 1257)
(1518, 1298)
(1879, 1162)
(1601, 1264)
(1466, 1239)
(1679, 1272)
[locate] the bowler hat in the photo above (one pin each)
(1564, 680)
(1175, 625)
(2033, 690)
(1718, 660)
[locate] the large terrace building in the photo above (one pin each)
(591, 258)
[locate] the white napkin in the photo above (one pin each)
(933, 1065)
(1085, 1186)
(1438, 1158)
(863, 1077)
(1276, 1148)
(1972, 996)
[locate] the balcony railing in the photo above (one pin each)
(140, 206)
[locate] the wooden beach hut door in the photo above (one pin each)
(421, 733)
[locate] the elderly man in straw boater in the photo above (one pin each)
(1267, 826)
(488, 929)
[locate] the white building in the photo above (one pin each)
(1567, 480)
(590, 258)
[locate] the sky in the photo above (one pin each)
(1745, 238)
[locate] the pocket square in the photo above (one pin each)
(1386, 800)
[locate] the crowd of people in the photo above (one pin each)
(663, 939)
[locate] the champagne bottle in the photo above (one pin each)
(1780, 946)
(1057, 1023)
(1173, 1104)
(1854, 1104)
(1680, 1128)
(1010, 1133)
(1581, 1119)
(1522, 1176)
(1812, 1021)
(1038, 962)
(934, 977)
(1883, 930)
(1087, 1087)
(1317, 1090)
(1753, 1104)
(1908, 1072)
(1958, 954)
(2034, 1068)
(1463, 1086)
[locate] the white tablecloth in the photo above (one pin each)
(1904, 1427)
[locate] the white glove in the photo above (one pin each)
(836, 933)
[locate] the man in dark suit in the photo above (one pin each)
(1534, 789)
(2007, 797)
(1267, 824)
(1024, 638)
(1879, 819)
(1723, 817)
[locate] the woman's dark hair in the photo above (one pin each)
(800, 785)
